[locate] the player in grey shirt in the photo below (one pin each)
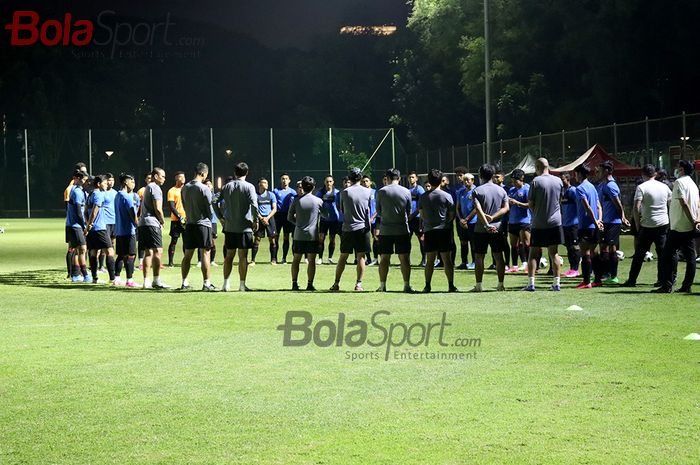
(491, 204)
(305, 213)
(240, 220)
(394, 207)
(196, 199)
(437, 212)
(150, 227)
(545, 204)
(354, 204)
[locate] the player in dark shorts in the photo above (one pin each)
(196, 200)
(372, 253)
(304, 213)
(240, 220)
(75, 228)
(437, 212)
(98, 235)
(414, 219)
(330, 222)
(285, 197)
(491, 204)
(519, 220)
(125, 231)
(394, 206)
(109, 194)
(177, 216)
(589, 221)
(267, 208)
(613, 220)
(569, 218)
(150, 230)
(354, 203)
(544, 201)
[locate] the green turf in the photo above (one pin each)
(93, 375)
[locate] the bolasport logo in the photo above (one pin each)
(29, 28)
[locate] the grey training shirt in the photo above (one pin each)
(148, 210)
(196, 199)
(305, 213)
(545, 193)
(241, 202)
(491, 197)
(435, 207)
(393, 207)
(354, 202)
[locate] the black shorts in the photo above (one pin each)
(482, 242)
(214, 230)
(98, 240)
(176, 229)
(438, 240)
(111, 231)
(400, 244)
(238, 240)
(75, 237)
(283, 224)
(354, 241)
(571, 235)
(414, 226)
(375, 226)
(126, 245)
(611, 234)
(332, 227)
(197, 236)
(150, 237)
(547, 237)
(269, 230)
(515, 228)
(304, 247)
(590, 236)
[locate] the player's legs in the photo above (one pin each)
(384, 260)
(331, 245)
(206, 265)
(273, 250)
(524, 245)
(449, 270)
(242, 266)
(296, 260)
(185, 267)
(429, 267)
(340, 267)
(321, 242)
(310, 270)
(514, 240)
(109, 259)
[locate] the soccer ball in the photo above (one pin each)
(543, 262)
(648, 257)
(2, 230)
(620, 255)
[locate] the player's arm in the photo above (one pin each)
(216, 205)
(253, 203)
(93, 216)
(591, 213)
(620, 209)
(158, 208)
(274, 207)
(173, 209)
(505, 208)
(637, 212)
(292, 213)
(687, 211)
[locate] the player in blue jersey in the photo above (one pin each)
(267, 207)
(214, 226)
(569, 220)
(590, 225)
(98, 236)
(330, 221)
(70, 253)
(613, 220)
(125, 208)
(414, 218)
(285, 197)
(466, 221)
(373, 254)
(109, 194)
(75, 228)
(519, 221)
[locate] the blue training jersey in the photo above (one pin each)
(610, 190)
(74, 209)
(373, 205)
(265, 202)
(285, 197)
(466, 203)
(96, 200)
(569, 207)
(416, 192)
(330, 204)
(123, 205)
(518, 214)
(587, 191)
(108, 206)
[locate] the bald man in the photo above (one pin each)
(544, 202)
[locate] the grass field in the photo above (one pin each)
(95, 375)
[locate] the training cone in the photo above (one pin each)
(692, 337)
(575, 308)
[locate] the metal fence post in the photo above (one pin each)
(483, 151)
(272, 159)
(393, 148)
(26, 171)
(150, 136)
(563, 144)
(211, 154)
(540, 143)
(90, 151)
(330, 151)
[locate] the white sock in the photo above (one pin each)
(557, 281)
(532, 281)
(382, 284)
(358, 283)
(185, 282)
(227, 283)
(207, 282)
(477, 286)
(156, 280)
(241, 284)
(130, 280)
(500, 284)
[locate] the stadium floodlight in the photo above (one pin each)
(109, 153)
(228, 152)
(218, 182)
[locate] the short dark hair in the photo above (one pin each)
(124, 177)
(228, 179)
(79, 166)
(178, 173)
(354, 175)
(97, 180)
(517, 174)
(661, 174)
(687, 167)
(607, 166)
(150, 173)
(460, 170)
(109, 175)
(393, 174)
(284, 173)
(486, 171)
(157, 170)
(262, 179)
(583, 169)
(308, 183)
(434, 177)
(78, 173)
(345, 178)
(201, 169)
(566, 175)
(412, 172)
(364, 176)
(327, 176)
(241, 169)
(649, 170)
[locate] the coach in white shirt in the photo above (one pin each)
(684, 218)
(651, 214)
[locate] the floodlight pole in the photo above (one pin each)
(272, 159)
(393, 148)
(150, 138)
(211, 154)
(487, 79)
(90, 150)
(26, 171)
(330, 150)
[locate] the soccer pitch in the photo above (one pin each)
(96, 375)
